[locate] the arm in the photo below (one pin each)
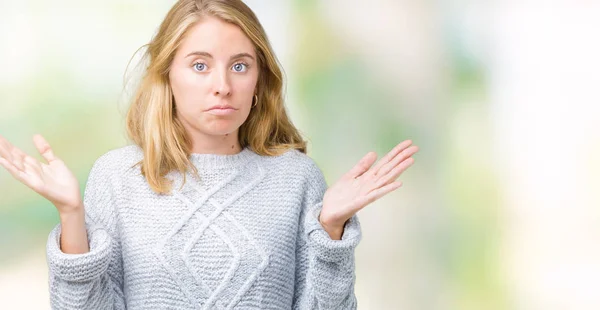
(325, 273)
(94, 278)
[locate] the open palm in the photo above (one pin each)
(54, 181)
(364, 184)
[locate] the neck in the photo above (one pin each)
(227, 144)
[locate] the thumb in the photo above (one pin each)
(44, 148)
(363, 165)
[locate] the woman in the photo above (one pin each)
(215, 205)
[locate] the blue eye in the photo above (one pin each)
(199, 66)
(240, 67)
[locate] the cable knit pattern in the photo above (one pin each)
(245, 235)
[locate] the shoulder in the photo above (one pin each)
(117, 161)
(296, 164)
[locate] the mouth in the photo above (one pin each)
(221, 110)
(212, 109)
(221, 107)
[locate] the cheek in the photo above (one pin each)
(186, 89)
(246, 87)
(184, 82)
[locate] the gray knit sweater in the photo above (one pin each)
(243, 236)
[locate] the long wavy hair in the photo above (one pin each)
(151, 120)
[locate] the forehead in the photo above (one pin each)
(217, 37)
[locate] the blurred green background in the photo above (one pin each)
(500, 210)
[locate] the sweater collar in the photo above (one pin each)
(208, 164)
(219, 161)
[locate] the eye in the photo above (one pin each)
(240, 67)
(199, 66)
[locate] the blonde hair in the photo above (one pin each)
(151, 121)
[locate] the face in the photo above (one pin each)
(213, 77)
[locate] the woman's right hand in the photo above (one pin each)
(54, 181)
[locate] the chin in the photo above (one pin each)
(221, 133)
(220, 129)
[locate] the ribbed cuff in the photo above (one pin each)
(323, 246)
(79, 267)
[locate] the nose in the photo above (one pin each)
(221, 84)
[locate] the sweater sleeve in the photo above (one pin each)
(92, 280)
(325, 273)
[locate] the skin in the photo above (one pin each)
(215, 65)
(364, 184)
(55, 182)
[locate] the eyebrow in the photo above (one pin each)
(206, 54)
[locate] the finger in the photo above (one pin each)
(391, 154)
(18, 158)
(395, 173)
(5, 148)
(380, 192)
(363, 165)
(16, 173)
(34, 164)
(406, 153)
(43, 147)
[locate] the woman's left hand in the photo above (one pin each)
(363, 185)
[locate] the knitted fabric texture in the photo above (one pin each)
(245, 235)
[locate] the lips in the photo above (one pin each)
(221, 107)
(221, 110)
